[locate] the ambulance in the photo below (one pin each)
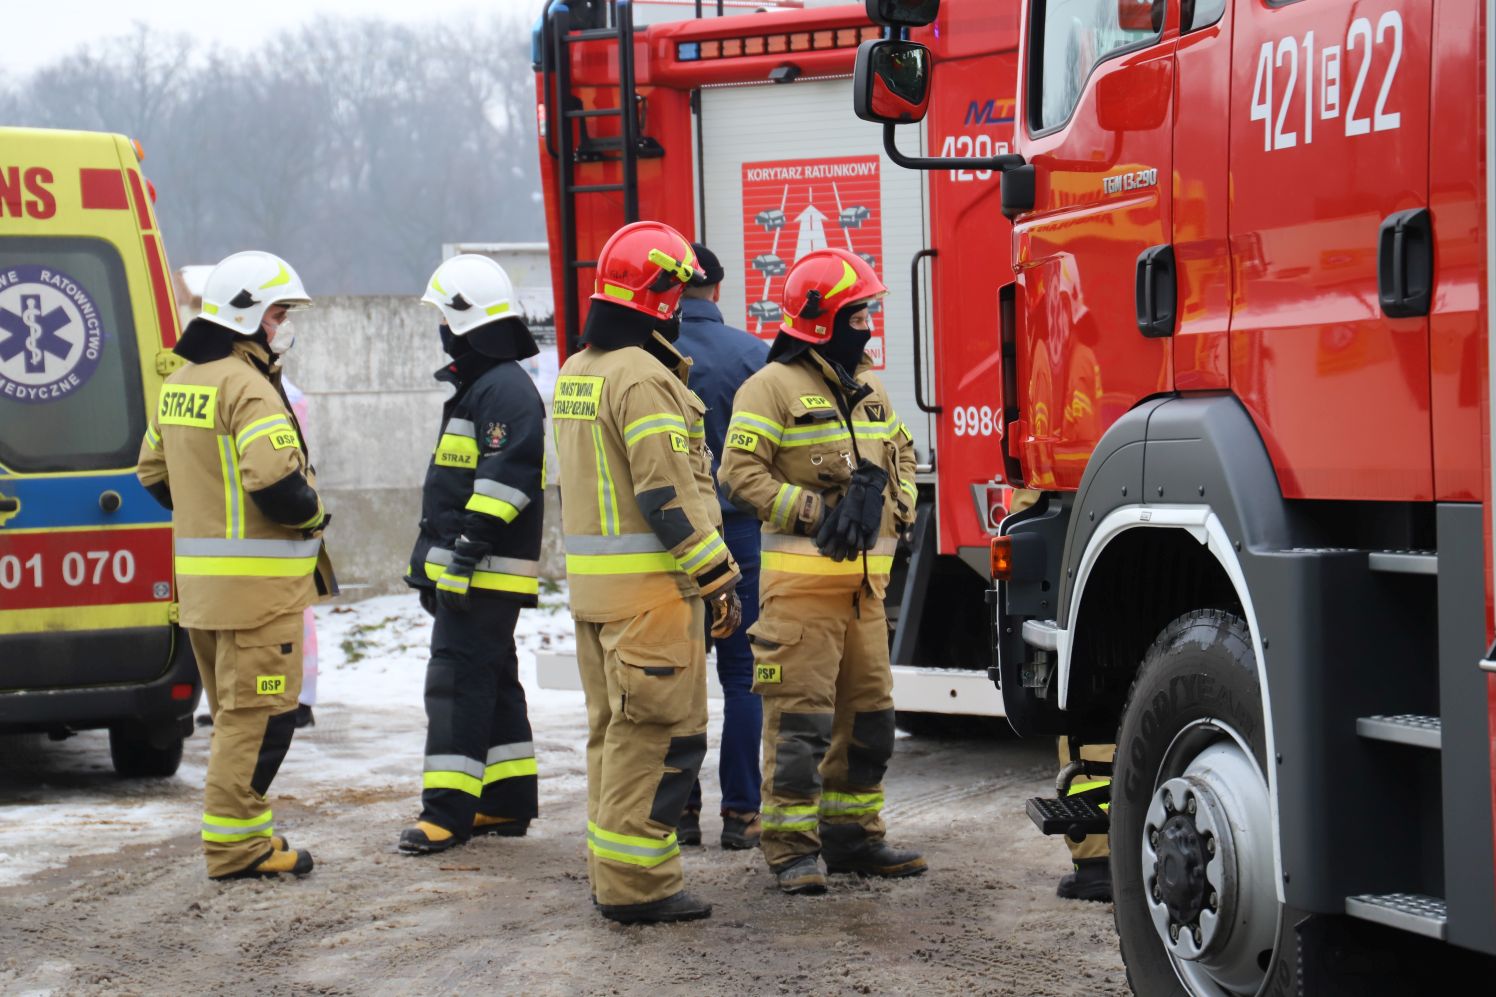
(88, 634)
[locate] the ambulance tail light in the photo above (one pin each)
(1001, 558)
(150, 189)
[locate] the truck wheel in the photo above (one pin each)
(1191, 826)
(137, 755)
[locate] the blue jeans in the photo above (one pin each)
(743, 712)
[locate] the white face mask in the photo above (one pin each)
(285, 338)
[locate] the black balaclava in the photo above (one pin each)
(203, 341)
(506, 339)
(846, 344)
(611, 326)
(454, 345)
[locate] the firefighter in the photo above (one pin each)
(722, 358)
(642, 553)
(815, 450)
(224, 452)
(476, 563)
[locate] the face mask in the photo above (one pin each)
(285, 338)
(670, 329)
(847, 343)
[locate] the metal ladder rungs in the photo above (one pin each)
(1412, 912)
(595, 188)
(596, 112)
(590, 34)
(1403, 728)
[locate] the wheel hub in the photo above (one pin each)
(1181, 869)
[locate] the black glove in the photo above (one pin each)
(452, 587)
(854, 525)
(428, 600)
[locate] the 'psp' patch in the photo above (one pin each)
(678, 443)
(766, 674)
(740, 440)
(815, 401)
(51, 334)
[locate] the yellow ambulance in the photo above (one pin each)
(87, 320)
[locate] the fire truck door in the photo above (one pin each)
(1097, 127)
(1329, 140)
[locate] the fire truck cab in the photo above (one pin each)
(1247, 380)
(88, 634)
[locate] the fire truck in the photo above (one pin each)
(1246, 372)
(737, 133)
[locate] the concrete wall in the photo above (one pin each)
(365, 364)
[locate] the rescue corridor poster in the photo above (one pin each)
(792, 206)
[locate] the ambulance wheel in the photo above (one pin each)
(1197, 908)
(136, 754)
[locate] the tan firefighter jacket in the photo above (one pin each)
(790, 451)
(638, 507)
(226, 446)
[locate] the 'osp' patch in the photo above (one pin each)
(270, 685)
(284, 439)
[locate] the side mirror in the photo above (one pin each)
(1139, 15)
(891, 83)
(902, 13)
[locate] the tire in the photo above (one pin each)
(137, 756)
(1193, 728)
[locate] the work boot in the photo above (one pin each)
(740, 830)
(503, 827)
(1091, 880)
(681, 907)
(427, 838)
(688, 828)
(801, 875)
(273, 863)
(848, 849)
(304, 716)
(279, 843)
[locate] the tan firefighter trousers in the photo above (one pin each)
(1093, 846)
(252, 679)
(645, 682)
(820, 662)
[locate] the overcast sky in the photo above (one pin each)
(39, 33)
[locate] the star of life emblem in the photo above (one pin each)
(51, 334)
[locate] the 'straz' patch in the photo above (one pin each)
(270, 685)
(815, 401)
(577, 396)
(678, 443)
(766, 674)
(285, 439)
(187, 405)
(742, 441)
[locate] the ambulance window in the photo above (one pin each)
(1071, 37)
(1197, 14)
(70, 382)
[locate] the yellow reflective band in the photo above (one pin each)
(607, 494)
(492, 507)
(808, 435)
(461, 781)
(702, 553)
(848, 278)
(659, 422)
(813, 564)
(851, 803)
(627, 848)
(452, 583)
(456, 451)
(620, 564)
(282, 436)
(498, 309)
(784, 505)
(313, 521)
(908, 489)
(246, 567)
(796, 818)
(152, 438)
(873, 430)
(436, 286)
(754, 423)
(229, 838)
(209, 309)
(615, 291)
(284, 277)
(509, 770)
(496, 581)
(233, 494)
(231, 829)
(238, 821)
(904, 431)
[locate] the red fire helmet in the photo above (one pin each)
(820, 284)
(645, 266)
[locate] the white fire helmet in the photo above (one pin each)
(242, 286)
(471, 290)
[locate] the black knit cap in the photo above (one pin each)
(707, 263)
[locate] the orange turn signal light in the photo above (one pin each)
(139, 150)
(1001, 552)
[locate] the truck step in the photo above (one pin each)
(1403, 728)
(1074, 816)
(1414, 912)
(1404, 562)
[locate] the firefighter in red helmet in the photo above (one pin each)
(645, 562)
(816, 451)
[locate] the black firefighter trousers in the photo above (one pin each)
(479, 754)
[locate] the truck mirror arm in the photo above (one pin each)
(1000, 164)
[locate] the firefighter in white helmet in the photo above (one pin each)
(476, 563)
(224, 452)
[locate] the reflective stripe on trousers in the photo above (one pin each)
(634, 850)
(229, 829)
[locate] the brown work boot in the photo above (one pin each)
(427, 838)
(273, 863)
(503, 827)
(740, 831)
(800, 875)
(848, 849)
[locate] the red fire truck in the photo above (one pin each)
(739, 136)
(1246, 374)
